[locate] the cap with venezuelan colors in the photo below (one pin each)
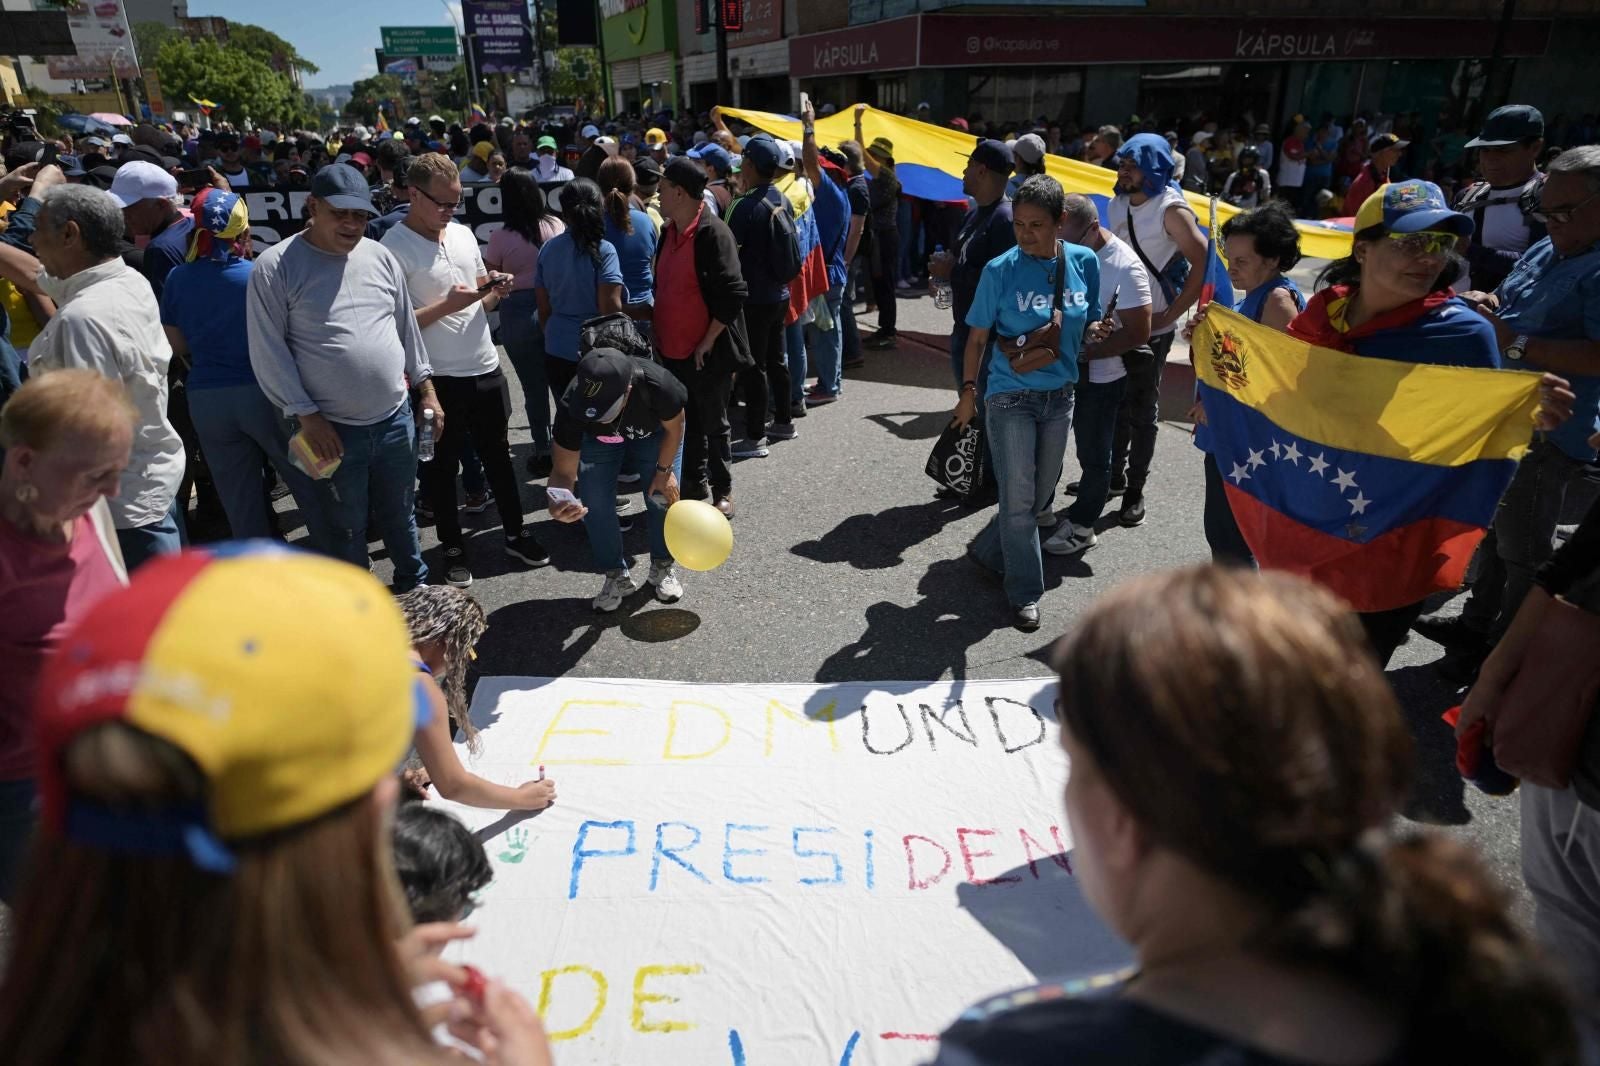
(286, 677)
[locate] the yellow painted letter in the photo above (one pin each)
(641, 997)
(547, 979)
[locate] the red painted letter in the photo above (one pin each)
(912, 882)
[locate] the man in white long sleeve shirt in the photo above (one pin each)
(108, 321)
(334, 343)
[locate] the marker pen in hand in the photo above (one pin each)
(541, 771)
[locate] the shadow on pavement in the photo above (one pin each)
(927, 640)
(913, 425)
(1038, 912)
(879, 541)
(658, 626)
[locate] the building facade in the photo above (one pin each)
(1172, 60)
(640, 41)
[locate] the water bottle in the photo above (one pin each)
(943, 298)
(425, 438)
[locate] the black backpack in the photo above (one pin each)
(783, 241)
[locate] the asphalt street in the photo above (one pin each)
(846, 568)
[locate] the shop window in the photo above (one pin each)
(889, 94)
(1016, 100)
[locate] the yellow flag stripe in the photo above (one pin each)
(946, 149)
(1440, 415)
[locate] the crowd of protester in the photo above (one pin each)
(149, 358)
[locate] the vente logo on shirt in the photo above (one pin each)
(1041, 301)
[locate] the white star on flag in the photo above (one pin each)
(1240, 474)
(1318, 465)
(1255, 459)
(1358, 505)
(1345, 481)
(1291, 453)
(1274, 449)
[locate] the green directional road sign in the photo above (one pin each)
(420, 41)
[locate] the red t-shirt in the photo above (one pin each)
(681, 317)
(1365, 184)
(44, 589)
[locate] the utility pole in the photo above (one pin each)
(724, 83)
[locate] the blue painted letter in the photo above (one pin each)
(580, 853)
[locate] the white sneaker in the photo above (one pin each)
(664, 577)
(618, 587)
(1071, 540)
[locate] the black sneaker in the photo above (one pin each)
(625, 522)
(1025, 617)
(455, 568)
(880, 340)
(1116, 488)
(1132, 512)
(526, 548)
(539, 465)
(1453, 633)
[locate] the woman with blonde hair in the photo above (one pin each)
(213, 879)
(1231, 803)
(445, 623)
(67, 437)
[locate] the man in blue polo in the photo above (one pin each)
(1546, 316)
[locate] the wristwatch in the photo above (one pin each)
(1518, 348)
(808, 130)
(972, 385)
(663, 469)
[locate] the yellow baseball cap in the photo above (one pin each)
(655, 137)
(287, 677)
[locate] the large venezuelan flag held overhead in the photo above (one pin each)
(1373, 477)
(929, 160)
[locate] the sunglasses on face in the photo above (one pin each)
(1562, 215)
(445, 204)
(1428, 242)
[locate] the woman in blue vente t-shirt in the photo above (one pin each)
(1027, 416)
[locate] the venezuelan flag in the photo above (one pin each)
(1374, 477)
(382, 125)
(477, 115)
(812, 280)
(929, 160)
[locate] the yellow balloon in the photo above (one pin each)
(698, 536)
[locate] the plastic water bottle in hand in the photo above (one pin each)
(425, 438)
(943, 298)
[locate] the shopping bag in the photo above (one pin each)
(957, 458)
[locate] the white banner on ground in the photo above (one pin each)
(775, 875)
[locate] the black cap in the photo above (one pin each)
(686, 174)
(1385, 140)
(102, 177)
(646, 171)
(1508, 125)
(761, 152)
(343, 188)
(996, 155)
(71, 166)
(599, 387)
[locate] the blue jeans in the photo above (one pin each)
(240, 430)
(379, 470)
(1027, 433)
(794, 343)
(598, 467)
(828, 347)
(524, 343)
(1095, 425)
(17, 818)
(162, 537)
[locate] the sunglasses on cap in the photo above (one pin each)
(1427, 242)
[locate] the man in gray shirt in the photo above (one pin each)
(334, 343)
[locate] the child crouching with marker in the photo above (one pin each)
(445, 623)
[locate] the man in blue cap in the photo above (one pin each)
(750, 217)
(718, 165)
(334, 343)
(1504, 205)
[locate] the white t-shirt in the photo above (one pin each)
(1504, 226)
(1150, 218)
(1121, 274)
(458, 345)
